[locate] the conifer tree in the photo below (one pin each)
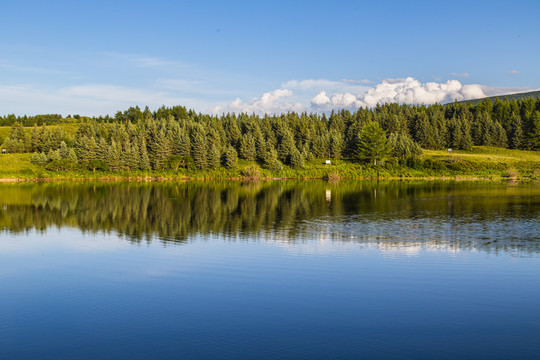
(514, 131)
(230, 158)
(336, 144)
(373, 146)
(248, 149)
(72, 157)
(403, 146)
(271, 161)
(534, 140)
(162, 151)
(113, 157)
(214, 156)
(144, 160)
(286, 146)
(63, 150)
(297, 160)
(199, 148)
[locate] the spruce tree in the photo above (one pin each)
(336, 144)
(514, 131)
(199, 149)
(286, 146)
(214, 156)
(248, 149)
(373, 146)
(230, 158)
(271, 161)
(144, 163)
(297, 160)
(534, 139)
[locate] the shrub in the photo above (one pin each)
(251, 172)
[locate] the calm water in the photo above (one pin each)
(271, 270)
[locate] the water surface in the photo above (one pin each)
(269, 270)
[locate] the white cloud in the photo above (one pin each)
(321, 99)
(269, 102)
(323, 96)
(346, 100)
(403, 91)
(465, 75)
(513, 72)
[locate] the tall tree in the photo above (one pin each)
(373, 145)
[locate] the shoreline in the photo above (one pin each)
(457, 178)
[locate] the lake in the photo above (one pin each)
(288, 270)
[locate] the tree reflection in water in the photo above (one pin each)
(392, 215)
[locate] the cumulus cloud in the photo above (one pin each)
(269, 102)
(403, 91)
(326, 95)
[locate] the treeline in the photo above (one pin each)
(48, 119)
(173, 138)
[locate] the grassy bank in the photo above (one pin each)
(479, 163)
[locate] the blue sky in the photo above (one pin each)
(97, 57)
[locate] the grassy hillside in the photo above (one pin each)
(533, 94)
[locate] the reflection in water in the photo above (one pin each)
(394, 216)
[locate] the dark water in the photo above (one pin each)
(271, 270)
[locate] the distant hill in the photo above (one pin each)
(533, 94)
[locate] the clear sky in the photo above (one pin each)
(97, 57)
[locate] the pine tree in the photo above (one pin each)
(230, 158)
(336, 144)
(214, 156)
(286, 146)
(144, 160)
(297, 160)
(53, 155)
(64, 151)
(248, 149)
(35, 138)
(162, 151)
(133, 158)
(373, 146)
(113, 156)
(260, 143)
(72, 157)
(271, 161)
(199, 148)
(101, 149)
(403, 146)
(35, 159)
(534, 139)
(514, 131)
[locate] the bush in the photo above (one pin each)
(61, 165)
(251, 172)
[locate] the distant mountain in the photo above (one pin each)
(533, 94)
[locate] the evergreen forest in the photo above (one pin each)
(176, 138)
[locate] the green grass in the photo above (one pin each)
(4, 132)
(19, 166)
(480, 162)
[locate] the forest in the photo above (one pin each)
(176, 138)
